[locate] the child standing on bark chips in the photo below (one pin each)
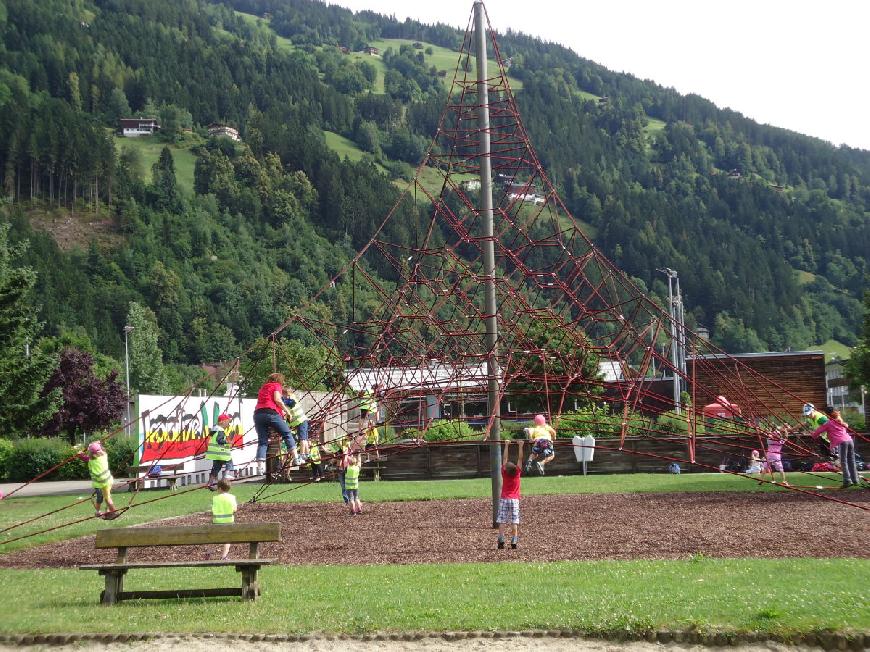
(509, 503)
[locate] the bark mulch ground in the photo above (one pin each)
(573, 527)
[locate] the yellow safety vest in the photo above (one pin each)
(351, 477)
(297, 414)
(368, 403)
(218, 451)
(373, 437)
(98, 467)
(541, 432)
(817, 419)
(223, 509)
(314, 455)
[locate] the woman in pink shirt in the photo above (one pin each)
(839, 436)
(268, 416)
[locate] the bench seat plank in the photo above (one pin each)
(205, 563)
(133, 537)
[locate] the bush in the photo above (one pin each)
(122, 453)
(120, 449)
(6, 448)
(75, 469)
(444, 430)
(596, 420)
(671, 423)
(514, 429)
(30, 457)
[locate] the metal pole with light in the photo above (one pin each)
(675, 348)
(127, 331)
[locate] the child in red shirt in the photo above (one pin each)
(509, 503)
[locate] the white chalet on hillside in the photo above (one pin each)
(133, 127)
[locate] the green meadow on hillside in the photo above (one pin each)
(149, 148)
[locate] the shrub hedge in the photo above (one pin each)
(24, 459)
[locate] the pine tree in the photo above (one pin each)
(146, 359)
(24, 368)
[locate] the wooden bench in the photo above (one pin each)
(134, 537)
(171, 480)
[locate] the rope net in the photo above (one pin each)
(575, 333)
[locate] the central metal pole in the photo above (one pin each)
(486, 218)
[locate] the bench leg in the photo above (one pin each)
(114, 586)
(250, 585)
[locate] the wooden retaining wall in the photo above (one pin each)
(471, 460)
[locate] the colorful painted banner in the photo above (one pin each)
(177, 428)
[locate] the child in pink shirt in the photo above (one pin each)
(838, 435)
(775, 441)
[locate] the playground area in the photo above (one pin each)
(554, 527)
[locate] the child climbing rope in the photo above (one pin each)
(775, 440)
(219, 451)
(542, 436)
(101, 478)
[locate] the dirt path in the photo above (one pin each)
(573, 527)
(432, 644)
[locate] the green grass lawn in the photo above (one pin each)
(343, 146)
(284, 44)
(804, 278)
(654, 126)
(835, 349)
(774, 597)
(190, 500)
(441, 58)
(770, 596)
(149, 147)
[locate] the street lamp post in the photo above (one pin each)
(678, 355)
(127, 331)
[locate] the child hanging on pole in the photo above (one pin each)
(509, 502)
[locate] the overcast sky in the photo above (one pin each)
(798, 64)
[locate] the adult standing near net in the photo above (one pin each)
(839, 435)
(269, 415)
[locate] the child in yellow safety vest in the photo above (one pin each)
(351, 484)
(542, 436)
(219, 451)
(101, 477)
(298, 421)
(314, 460)
(223, 510)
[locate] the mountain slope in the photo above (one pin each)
(772, 258)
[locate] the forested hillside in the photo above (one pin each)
(768, 229)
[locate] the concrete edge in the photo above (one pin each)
(824, 640)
